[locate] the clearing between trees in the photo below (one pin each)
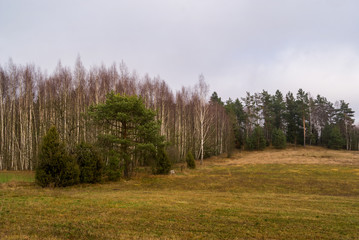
(297, 193)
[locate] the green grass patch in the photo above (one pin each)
(13, 176)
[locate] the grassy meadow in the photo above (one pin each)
(298, 193)
(16, 177)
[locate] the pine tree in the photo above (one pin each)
(278, 110)
(236, 108)
(268, 115)
(215, 98)
(129, 129)
(345, 120)
(292, 119)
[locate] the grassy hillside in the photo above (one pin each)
(298, 193)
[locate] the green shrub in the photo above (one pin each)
(256, 141)
(279, 140)
(42, 177)
(90, 163)
(70, 173)
(163, 163)
(55, 166)
(190, 160)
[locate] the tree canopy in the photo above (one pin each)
(128, 128)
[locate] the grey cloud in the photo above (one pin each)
(239, 45)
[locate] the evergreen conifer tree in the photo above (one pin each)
(128, 128)
(190, 160)
(163, 163)
(55, 166)
(279, 140)
(256, 141)
(90, 163)
(336, 140)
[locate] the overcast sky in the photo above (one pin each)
(238, 45)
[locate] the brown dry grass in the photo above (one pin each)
(287, 194)
(291, 155)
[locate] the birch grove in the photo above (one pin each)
(32, 101)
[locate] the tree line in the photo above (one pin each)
(301, 118)
(31, 101)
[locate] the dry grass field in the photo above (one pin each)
(292, 155)
(298, 193)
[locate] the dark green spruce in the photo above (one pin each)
(55, 166)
